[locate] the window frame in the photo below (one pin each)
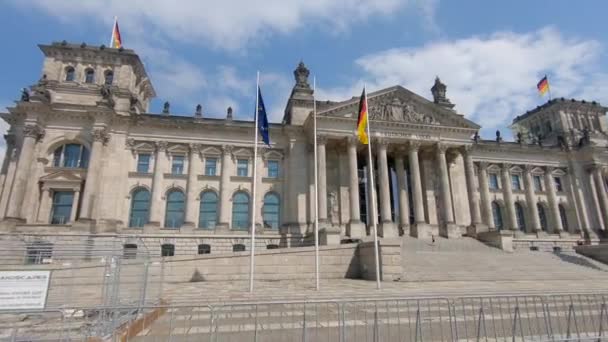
(497, 216)
(145, 212)
(204, 248)
(493, 176)
(176, 167)
(558, 184)
(202, 212)
(538, 186)
(140, 164)
(56, 205)
(70, 74)
(211, 166)
(105, 77)
(167, 250)
(241, 164)
(274, 173)
(516, 182)
(60, 160)
(181, 212)
(242, 224)
(266, 212)
(89, 76)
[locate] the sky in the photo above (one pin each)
(490, 54)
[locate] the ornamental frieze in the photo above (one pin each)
(396, 110)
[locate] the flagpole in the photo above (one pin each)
(548, 87)
(113, 28)
(314, 120)
(372, 192)
(253, 187)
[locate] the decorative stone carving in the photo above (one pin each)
(301, 76)
(227, 149)
(133, 102)
(130, 144)
(25, 95)
(106, 95)
(395, 110)
(195, 148)
(483, 165)
(101, 135)
(439, 94)
(34, 131)
(442, 148)
(332, 206)
(414, 145)
(161, 145)
(40, 91)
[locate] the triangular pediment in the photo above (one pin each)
(399, 105)
(62, 176)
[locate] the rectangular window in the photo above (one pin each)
(558, 184)
(273, 169)
(242, 167)
(538, 183)
(143, 163)
(177, 167)
(210, 166)
(515, 182)
(493, 181)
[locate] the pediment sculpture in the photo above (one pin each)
(396, 110)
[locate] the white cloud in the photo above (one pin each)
(490, 78)
(227, 24)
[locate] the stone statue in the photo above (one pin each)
(199, 111)
(166, 108)
(539, 140)
(439, 91)
(519, 138)
(301, 75)
(229, 113)
(40, 91)
(332, 206)
(25, 95)
(476, 137)
(133, 101)
(106, 94)
(498, 137)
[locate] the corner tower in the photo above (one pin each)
(300, 102)
(94, 75)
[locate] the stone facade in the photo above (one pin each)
(85, 158)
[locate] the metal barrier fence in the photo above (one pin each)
(93, 273)
(572, 317)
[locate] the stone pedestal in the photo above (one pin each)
(450, 230)
(388, 230)
(329, 235)
(355, 230)
(477, 228)
(500, 239)
(89, 226)
(9, 224)
(422, 230)
(404, 229)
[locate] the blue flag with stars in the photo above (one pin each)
(262, 119)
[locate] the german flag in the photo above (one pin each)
(543, 86)
(362, 122)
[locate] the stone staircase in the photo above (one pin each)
(468, 259)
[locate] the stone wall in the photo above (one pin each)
(390, 260)
(597, 252)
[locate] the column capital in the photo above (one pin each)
(441, 148)
(506, 166)
(321, 140)
(381, 144)
(466, 148)
(227, 149)
(414, 146)
(528, 168)
(595, 168)
(195, 148)
(34, 131)
(101, 135)
(549, 169)
(161, 145)
(352, 140)
(483, 165)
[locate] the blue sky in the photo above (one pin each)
(489, 53)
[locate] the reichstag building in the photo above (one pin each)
(87, 160)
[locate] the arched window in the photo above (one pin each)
(140, 207)
(563, 216)
(108, 77)
(239, 247)
(72, 156)
(62, 207)
(167, 249)
(497, 215)
(271, 211)
(129, 251)
(542, 216)
(39, 252)
(240, 211)
(70, 74)
(204, 249)
(519, 214)
(174, 215)
(89, 76)
(207, 217)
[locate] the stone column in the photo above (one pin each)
(577, 182)
(156, 205)
(476, 225)
(448, 228)
(420, 228)
(484, 194)
(43, 216)
(404, 208)
(91, 185)
(508, 196)
(531, 200)
(31, 135)
(387, 227)
(225, 211)
(75, 206)
(322, 187)
(12, 152)
(553, 205)
(600, 188)
(191, 190)
(355, 227)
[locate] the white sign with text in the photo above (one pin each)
(20, 290)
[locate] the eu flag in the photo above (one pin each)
(262, 119)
